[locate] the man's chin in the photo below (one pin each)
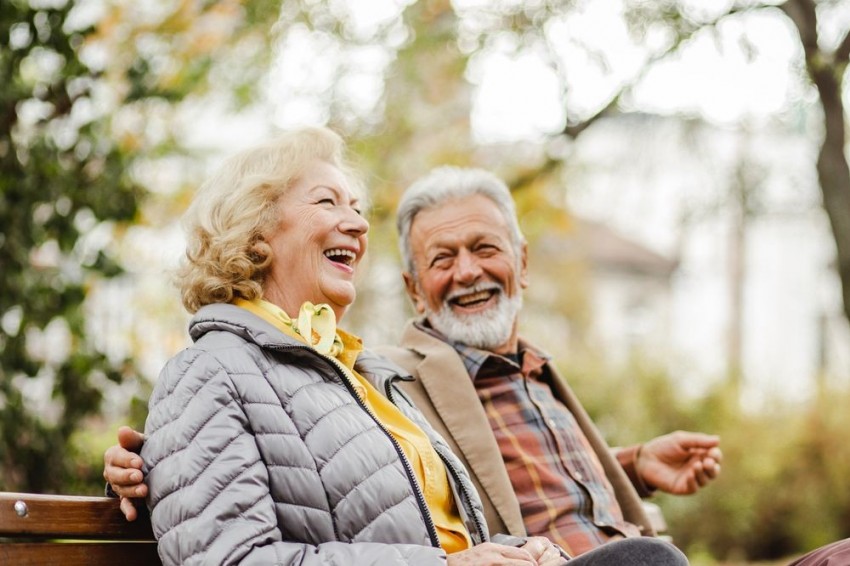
(487, 326)
(486, 330)
(467, 313)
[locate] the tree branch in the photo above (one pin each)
(802, 15)
(842, 53)
(528, 177)
(574, 130)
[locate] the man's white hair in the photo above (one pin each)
(489, 329)
(450, 183)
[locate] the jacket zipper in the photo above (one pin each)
(467, 498)
(417, 491)
(455, 474)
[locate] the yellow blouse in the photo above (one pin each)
(427, 466)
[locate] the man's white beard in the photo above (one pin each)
(486, 330)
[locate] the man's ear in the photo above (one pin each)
(412, 289)
(523, 266)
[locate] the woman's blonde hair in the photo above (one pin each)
(235, 211)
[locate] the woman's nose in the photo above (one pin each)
(354, 223)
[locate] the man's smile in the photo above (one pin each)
(473, 299)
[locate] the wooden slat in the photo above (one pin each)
(79, 554)
(68, 516)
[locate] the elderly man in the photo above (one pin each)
(538, 461)
(465, 265)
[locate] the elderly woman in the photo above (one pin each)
(274, 438)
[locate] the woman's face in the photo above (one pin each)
(319, 241)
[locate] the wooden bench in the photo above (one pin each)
(38, 530)
(72, 531)
(656, 518)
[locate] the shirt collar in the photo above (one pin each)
(483, 363)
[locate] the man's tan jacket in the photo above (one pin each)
(444, 393)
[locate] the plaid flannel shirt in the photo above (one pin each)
(560, 485)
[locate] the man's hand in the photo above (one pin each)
(122, 469)
(538, 551)
(680, 462)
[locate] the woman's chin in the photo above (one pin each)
(340, 302)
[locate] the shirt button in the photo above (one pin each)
(579, 477)
(552, 423)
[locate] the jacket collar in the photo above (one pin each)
(446, 382)
(248, 326)
(238, 321)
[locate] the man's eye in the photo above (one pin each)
(326, 201)
(441, 261)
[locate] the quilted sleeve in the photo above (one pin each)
(208, 486)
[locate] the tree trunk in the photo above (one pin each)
(827, 71)
(834, 175)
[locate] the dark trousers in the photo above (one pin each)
(835, 554)
(639, 551)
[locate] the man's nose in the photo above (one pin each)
(468, 270)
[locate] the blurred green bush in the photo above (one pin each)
(784, 485)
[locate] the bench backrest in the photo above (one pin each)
(71, 530)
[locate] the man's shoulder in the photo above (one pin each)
(415, 345)
(404, 357)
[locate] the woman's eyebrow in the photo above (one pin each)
(354, 200)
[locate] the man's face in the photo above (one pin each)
(469, 275)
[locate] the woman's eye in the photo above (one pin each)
(326, 201)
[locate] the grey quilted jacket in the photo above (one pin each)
(259, 452)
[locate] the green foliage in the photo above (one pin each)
(76, 101)
(59, 179)
(783, 489)
(783, 486)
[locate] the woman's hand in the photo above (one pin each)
(538, 551)
(122, 469)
